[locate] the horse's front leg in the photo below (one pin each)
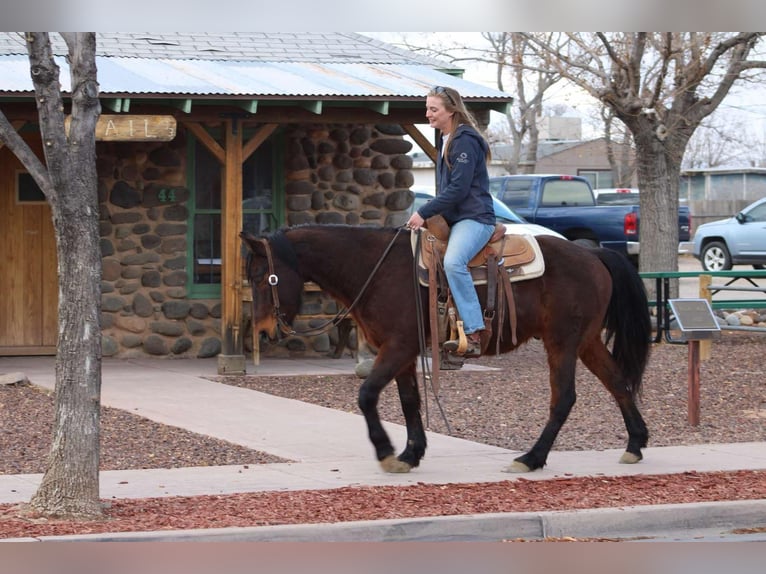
(407, 384)
(369, 393)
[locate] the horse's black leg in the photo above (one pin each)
(407, 384)
(562, 362)
(369, 393)
(599, 360)
(344, 334)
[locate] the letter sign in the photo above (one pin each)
(133, 128)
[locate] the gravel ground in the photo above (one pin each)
(508, 407)
(505, 407)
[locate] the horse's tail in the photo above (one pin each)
(627, 318)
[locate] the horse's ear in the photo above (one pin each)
(251, 241)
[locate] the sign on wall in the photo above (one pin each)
(134, 128)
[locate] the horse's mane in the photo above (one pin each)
(282, 247)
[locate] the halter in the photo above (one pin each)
(273, 281)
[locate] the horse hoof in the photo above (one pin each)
(394, 465)
(517, 466)
(629, 458)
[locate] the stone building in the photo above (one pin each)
(258, 131)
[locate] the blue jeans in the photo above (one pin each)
(466, 239)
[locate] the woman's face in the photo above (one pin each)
(437, 115)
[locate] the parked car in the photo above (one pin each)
(513, 222)
(567, 204)
(738, 240)
(616, 196)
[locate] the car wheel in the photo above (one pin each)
(715, 257)
(587, 243)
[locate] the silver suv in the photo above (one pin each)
(738, 240)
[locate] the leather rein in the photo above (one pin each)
(273, 281)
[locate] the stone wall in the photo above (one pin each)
(354, 174)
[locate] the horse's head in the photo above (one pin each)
(276, 285)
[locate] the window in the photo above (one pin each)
(566, 192)
(261, 209)
(599, 179)
(516, 193)
(758, 213)
(27, 190)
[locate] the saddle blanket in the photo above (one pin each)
(518, 253)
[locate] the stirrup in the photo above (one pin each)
(462, 346)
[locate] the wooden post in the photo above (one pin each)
(232, 357)
(693, 390)
(706, 346)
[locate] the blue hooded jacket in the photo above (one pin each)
(463, 190)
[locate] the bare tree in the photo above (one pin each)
(619, 148)
(510, 53)
(518, 67)
(70, 485)
(661, 85)
(716, 143)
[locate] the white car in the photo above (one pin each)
(513, 223)
(738, 240)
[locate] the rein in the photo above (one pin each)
(273, 281)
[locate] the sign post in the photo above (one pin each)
(696, 320)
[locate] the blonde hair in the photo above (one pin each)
(453, 103)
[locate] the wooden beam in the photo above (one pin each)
(313, 107)
(250, 106)
(207, 140)
(288, 115)
(255, 142)
(17, 125)
(231, 253)
(380, 107)
(427, 147)
(114, 104)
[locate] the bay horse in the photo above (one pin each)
(585, 300)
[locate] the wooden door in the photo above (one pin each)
(28, 269)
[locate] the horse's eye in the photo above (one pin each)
(259, 276)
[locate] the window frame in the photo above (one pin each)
(276, 212)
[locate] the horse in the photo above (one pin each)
(587, 299)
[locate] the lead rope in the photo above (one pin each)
(428, 379)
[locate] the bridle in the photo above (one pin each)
(273, 280)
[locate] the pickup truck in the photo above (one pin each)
(567, 204)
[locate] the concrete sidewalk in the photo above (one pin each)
(329, 448)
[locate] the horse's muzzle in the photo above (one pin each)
(268, 326)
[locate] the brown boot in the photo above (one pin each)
(473, 349)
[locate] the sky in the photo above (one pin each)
(746, 103)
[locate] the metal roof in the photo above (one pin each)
(328, 67)
(138, 76)
(248, 46)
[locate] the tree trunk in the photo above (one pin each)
(70, 485)
(659, 171)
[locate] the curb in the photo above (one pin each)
(658, 521)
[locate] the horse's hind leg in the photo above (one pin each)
(562, 363)
(599, 360)
(407, 384)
